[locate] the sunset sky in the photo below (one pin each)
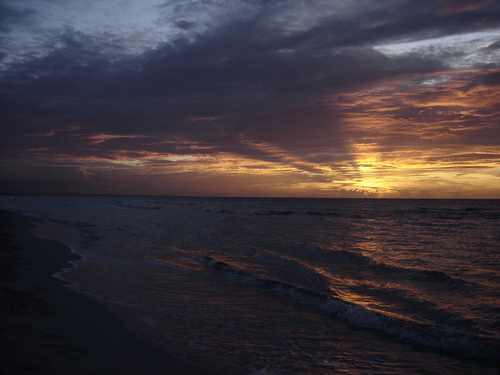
(311, 98)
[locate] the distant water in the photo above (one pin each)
(294, 286)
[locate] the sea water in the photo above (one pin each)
(293, 286)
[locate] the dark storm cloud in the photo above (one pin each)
(185, 25)
(385, 21)
(12, 15)
(242, 77)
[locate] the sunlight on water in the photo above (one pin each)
(293, 286)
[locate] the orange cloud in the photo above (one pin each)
(436, 135)
(99, 138)
(459, 6)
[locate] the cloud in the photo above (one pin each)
(84, 80)
(459, 6)
(297, 85)
(10, 16)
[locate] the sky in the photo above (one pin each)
(261, 98)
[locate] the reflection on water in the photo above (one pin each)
(295, 286)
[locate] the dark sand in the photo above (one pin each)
(46, 328)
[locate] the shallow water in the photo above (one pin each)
(294, 286)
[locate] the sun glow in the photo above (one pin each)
(420, 143)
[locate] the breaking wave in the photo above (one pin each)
(428, 336)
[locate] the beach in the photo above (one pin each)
(148, 285)
(47, 328)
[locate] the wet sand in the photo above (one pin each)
(46, 328)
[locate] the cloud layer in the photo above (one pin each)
(301, 98)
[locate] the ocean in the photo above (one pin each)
(291, 286)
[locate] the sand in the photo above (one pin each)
(46, 328)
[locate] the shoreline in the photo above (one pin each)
(47, 328)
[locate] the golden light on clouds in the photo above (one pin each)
(432, 141)
(349, 101)
(429, 141)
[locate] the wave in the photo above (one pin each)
(317, 213)
(268, 285)
(429, 336)
(421, 276)
(272, 212)
(255, 213)
(437, 277)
